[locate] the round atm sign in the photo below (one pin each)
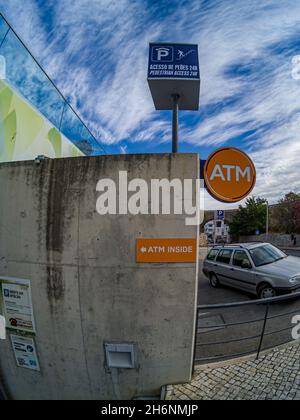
(229, 175)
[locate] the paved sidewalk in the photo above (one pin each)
(275, 376)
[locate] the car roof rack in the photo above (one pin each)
(245, 245)
(256, 242)
(229, 246)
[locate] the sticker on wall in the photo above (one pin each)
(2, 328)
(16, 303)
(25, 352)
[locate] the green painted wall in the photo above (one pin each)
(25, 133)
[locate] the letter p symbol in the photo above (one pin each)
(162, 54)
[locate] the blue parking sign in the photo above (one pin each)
(173, 61)
(173, 69)
(220, 214)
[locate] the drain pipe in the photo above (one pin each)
(3, 393)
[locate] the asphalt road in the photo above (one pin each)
(213, 324)
(292, 251)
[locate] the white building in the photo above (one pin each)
(216, 231)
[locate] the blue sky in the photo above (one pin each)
(96, 52)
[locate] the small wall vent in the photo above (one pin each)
(120, 355)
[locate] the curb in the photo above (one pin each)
(168, 390)
(231, 362)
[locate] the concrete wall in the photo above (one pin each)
(277, 239)
(87, 287)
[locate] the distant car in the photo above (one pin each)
(256, 268)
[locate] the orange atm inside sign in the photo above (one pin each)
(166, 250)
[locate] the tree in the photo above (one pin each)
(286, 214)
(250, 218)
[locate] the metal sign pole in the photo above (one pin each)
(176, 98)
(174, 80)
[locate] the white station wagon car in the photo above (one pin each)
(257, 268)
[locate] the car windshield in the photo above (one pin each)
(266, 254)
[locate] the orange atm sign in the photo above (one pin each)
(166, 250)
(229, 175)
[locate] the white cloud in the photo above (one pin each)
(96, 51)
(123, 149)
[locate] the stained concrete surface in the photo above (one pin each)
(87, 287)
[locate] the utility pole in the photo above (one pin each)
(267, 221)
(176, 98)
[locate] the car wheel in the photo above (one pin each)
(214, 282)
(266, 291)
